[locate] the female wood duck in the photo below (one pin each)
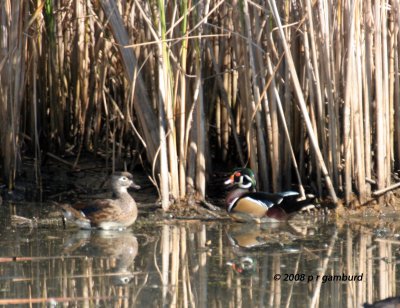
(119, 247)
(244, 204)
(108, 214)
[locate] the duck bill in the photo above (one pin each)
(230, 181)
(135, 186)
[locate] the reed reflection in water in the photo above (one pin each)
(196, 264)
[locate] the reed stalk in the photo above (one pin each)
(13, 48)
(164, 102)
(181, 103)
(379, 101)
(262, 158)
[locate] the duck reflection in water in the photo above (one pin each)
(248, 235)
(243, 265)
(391, 302)
(248, 239)
(119, 247)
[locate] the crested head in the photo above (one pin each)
(242, 178)
(123, 173)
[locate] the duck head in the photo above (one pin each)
(242, 178)
(121, 181)
(240, 182)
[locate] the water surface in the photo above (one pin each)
(189, 263)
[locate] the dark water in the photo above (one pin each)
(171, 263)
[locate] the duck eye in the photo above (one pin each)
(124, 178)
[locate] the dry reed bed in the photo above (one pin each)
(300, 91)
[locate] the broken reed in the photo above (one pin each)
(300, 91)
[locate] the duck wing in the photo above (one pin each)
(97, 210)
(271, 199)
(279, 205)
(291, 201)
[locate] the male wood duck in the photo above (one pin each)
(245, 204)
(243, 265)
(108, 214)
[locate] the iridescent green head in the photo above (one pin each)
(243, 178)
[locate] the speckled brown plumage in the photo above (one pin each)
(117, 213)
(119, 247)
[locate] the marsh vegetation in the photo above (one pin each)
(303, 92)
